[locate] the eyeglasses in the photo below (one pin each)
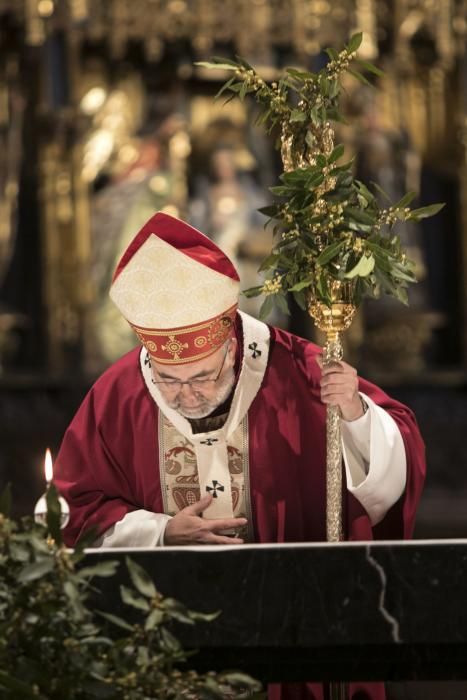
(175, 384)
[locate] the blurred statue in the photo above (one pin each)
(386, 157)
(127, 195)
(224, 206)
(396, 338)
(125, 201)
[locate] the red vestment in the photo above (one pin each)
(108, 462)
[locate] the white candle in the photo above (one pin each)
(40, 509)
(48, 466)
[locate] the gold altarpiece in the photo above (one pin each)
(424, 94)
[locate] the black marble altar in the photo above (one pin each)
(392, 611)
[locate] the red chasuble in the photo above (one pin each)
(108, 464)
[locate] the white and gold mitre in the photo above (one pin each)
(177, 290)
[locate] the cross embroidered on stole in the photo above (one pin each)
(179, 472)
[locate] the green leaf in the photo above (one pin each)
(54, 514)
(154, 619)
(74, 596)
(366, 65)
(281, 190)
(363, 268)
(36, 570)
(300, 74)
(355, 42)
(271, 210)
(310, 139)
(205, 617)
(140, 578)
(236, 678)
(337, 153)
(332, 53)
(19, 552)
(263, 117)
(169, 641)
(223, 59)
(398, 272)
(253, 292)
(405, 201)
(401, 294)
(86, 539)
(131, 598)
(104, 568)
(39, 544)
(361, 217)
(385, 281)
(213, 64)
(281, 303)
(314, 116)
(177, 611)
(297, 116)
(334, 114)
(115, 620)
(361, 78)
(300, 299)
(303, 284)
(324, 85)
(297, 176)
(365, 192)
(244, 63)
(425, 212)
(269, 262)
(71, 591)
(315, 180)
(266, 308)
(381, 258)
(379, 189)
(333, 92)
(224, 87)
(5, 501)
(330, 252)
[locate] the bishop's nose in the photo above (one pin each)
(187, 392)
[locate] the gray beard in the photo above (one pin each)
(223, 391)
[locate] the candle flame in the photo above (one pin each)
(48, 466)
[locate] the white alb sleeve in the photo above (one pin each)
(375, 460)
(140, 528)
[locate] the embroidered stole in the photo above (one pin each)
(216, 462)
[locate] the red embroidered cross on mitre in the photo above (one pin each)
(177, 290)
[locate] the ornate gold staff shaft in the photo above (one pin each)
(333, 320)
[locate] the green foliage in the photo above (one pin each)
(330, 229)
(55, 645)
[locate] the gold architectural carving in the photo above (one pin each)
(425, 101)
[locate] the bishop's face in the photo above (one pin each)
(196, 389)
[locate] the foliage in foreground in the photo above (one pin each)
(331, 230)
(55, 646)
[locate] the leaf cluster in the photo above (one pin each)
(299, 96)
(340, 236)
(330, 229)
(54, 644)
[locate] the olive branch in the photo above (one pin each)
(329, 228)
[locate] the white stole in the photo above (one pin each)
(211, 447)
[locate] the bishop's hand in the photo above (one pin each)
(188, 527)
(339, 387)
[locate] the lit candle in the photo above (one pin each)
(48, 467)
(40, 510)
